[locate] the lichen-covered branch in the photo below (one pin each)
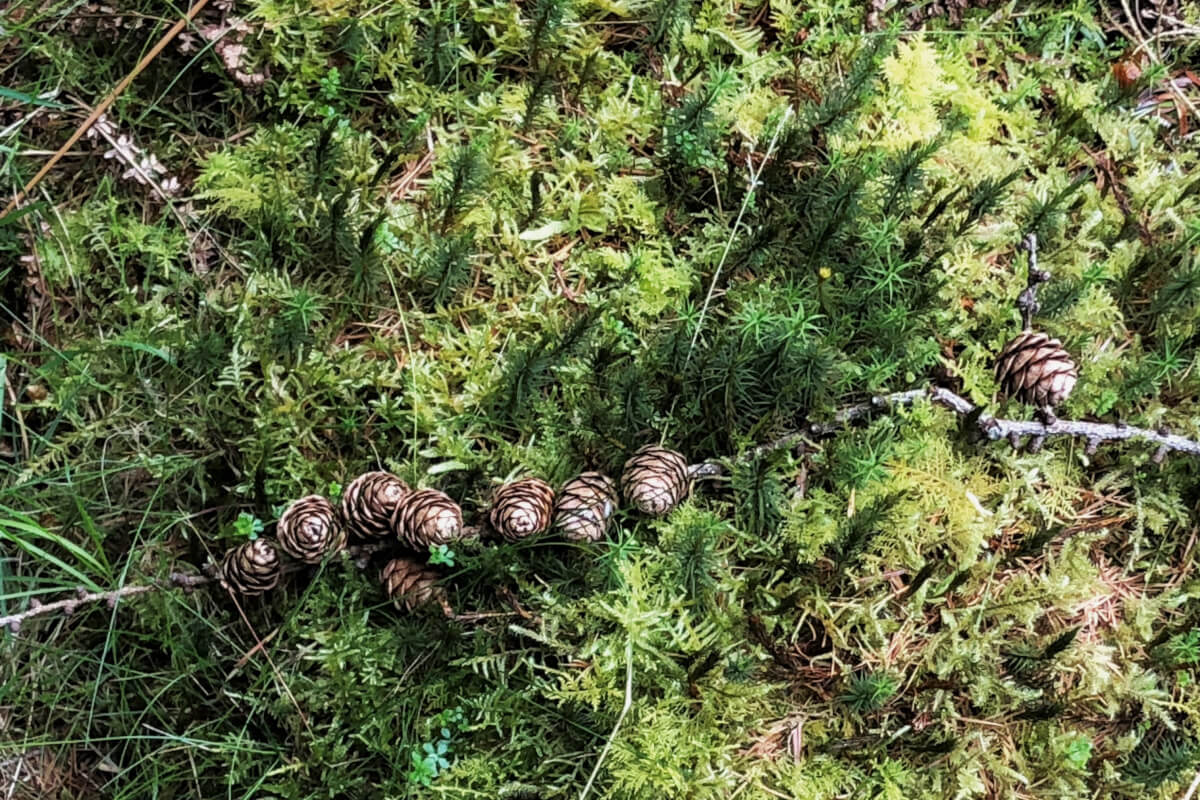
(1027, 302)
(987, 427)
(1015, 431)
(83, 597)
(360, 556)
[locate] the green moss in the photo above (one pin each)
(469, 240)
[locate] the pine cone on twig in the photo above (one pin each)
(252, 568)
(310, 529)
(369, 503)
(427, 518)
(655, 480)
(585, 507)
(410, 585)
(1035, 369)
(522, 508)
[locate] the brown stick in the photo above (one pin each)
(178, 580)
(995, 428)
(989, 427)
(360, 554)
(103, 106)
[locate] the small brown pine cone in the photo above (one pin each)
(522, 508)
(309, 529)
(427, 518)
(655, 480)
(410, 584)
(251, 568)
(369, 503)
(585, 506)
(1035, 369)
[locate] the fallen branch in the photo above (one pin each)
(178, 580)
(996, 428)
(360, 557)
(986, 426)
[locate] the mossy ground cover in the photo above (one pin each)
(464, 241)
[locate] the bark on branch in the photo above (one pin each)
(178, 580)
(359, 555)
(986, 426)
(996, 428)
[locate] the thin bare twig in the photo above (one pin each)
(360, 556)
(177, 580)
(737, 223)
(996, 428)
(1027, 302)
(703, 470)
(620, 719)
(103, 105)
(1191, 790)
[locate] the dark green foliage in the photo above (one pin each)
(1181, 650)
(528, 377)
(864, 525)
(847, 95)
(460, 183)
(445, 267)
(669, 20)
(1031, 664)
(984, 196)
(691, 545)
(693, 131)
(758, 486)
(765, 367)
(1160, 759)
(871, 692)
(1046, 215)
(544, 28)
(903, 172)
(546, 19)
(1180, 292)
(439, 43)
(861, 458)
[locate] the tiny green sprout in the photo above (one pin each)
(334, 489)
(331, 84)
(425, 766)
(248, 526)
(871, 692)
(1104, 404)
(451, 718)
(431, 758)
(1078, 752)
(386, 239)
(441, 554)
(348, 423)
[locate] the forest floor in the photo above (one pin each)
(473, 240)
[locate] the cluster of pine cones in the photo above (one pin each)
(378, 506)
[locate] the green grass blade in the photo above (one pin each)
(25, 533)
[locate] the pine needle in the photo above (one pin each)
(620, 719)
(737, 223)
